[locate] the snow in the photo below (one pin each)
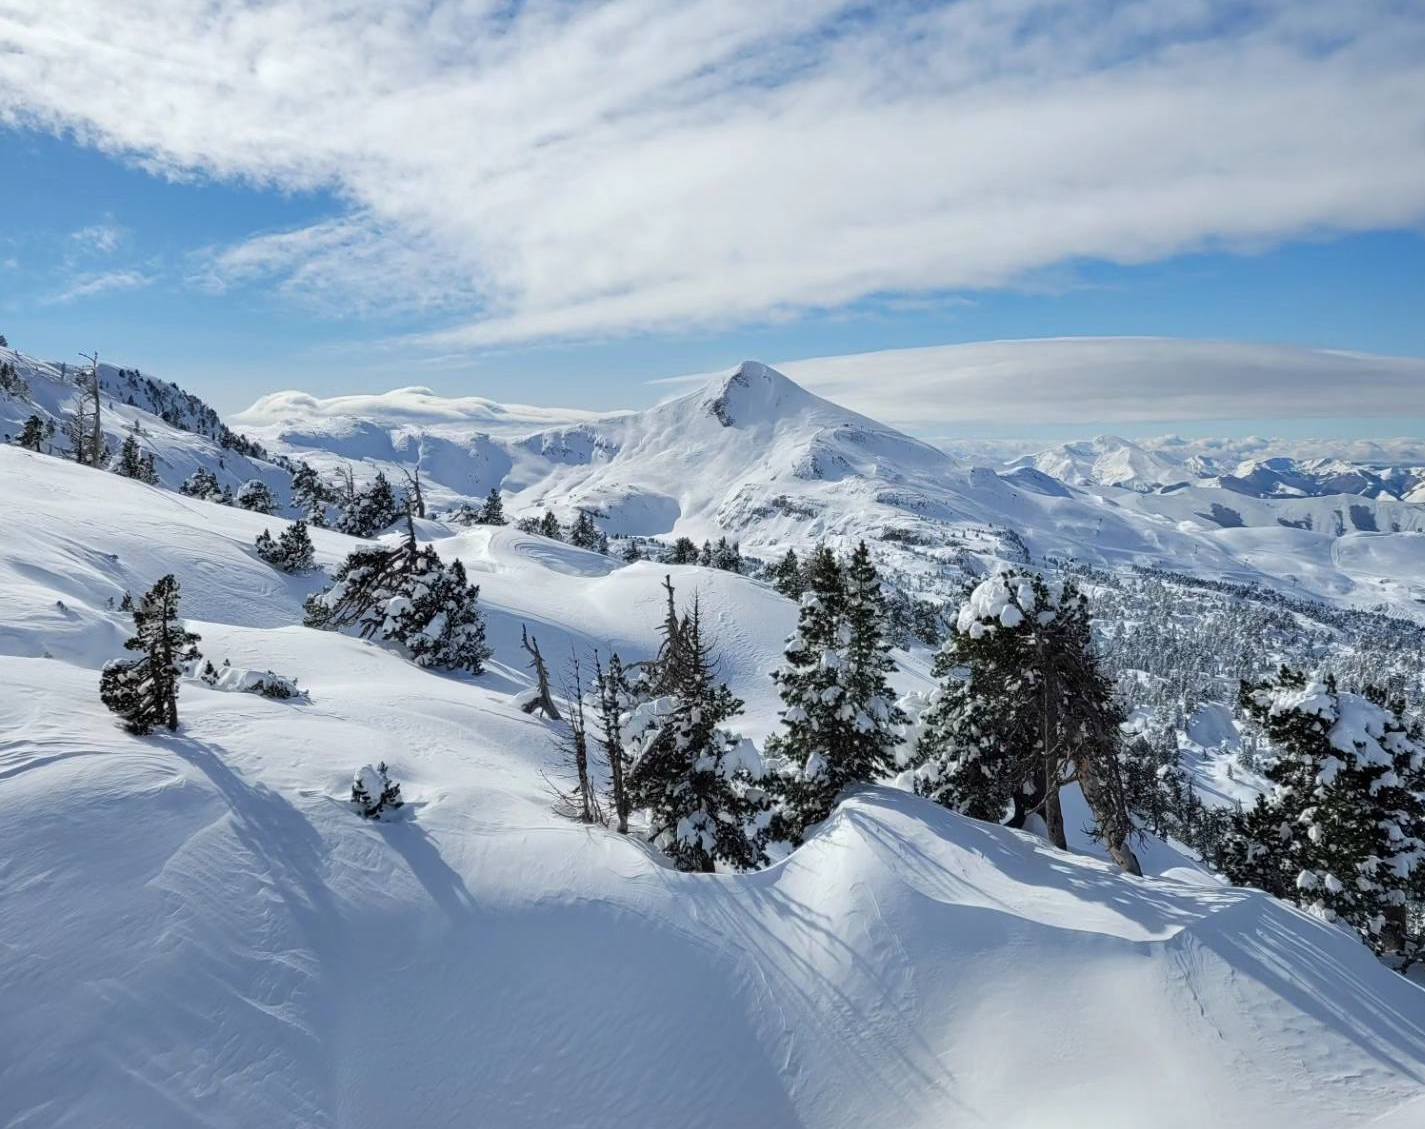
(199, 930)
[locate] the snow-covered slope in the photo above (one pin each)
(197, 930)
(180, 430)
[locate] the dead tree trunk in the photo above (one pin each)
(413, 491)
(543, 700)
(96, 435)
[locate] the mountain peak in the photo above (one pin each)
(750, 393)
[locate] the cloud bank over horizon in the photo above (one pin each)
(1092, 383)
(588, 170)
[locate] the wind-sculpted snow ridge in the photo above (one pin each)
(199, 929)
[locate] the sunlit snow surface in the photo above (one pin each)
(198, 930)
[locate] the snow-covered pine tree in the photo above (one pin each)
(705, 555)
(787, 576)
(291, 552)
(683, 552)
(1257, 849)
(727, 556)
(202, 483)
(440, 624)
(32, 435)
(1024, 707)
(295, 550)
(631, 553)
(373, 792)
(1346, 812)
(310, 495)
(841, 723)
(700, 783)
(813, 731)
(404, 594)
(130, 460)
(549, 526)
(144, 691)
(256, 495)
(369, 511)
(583, 533)
(615, 701)
(493, 511)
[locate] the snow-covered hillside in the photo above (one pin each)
(198, 930)
(754, 456)
(177, 428)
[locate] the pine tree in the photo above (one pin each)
(33, 434)
(1343, 826)
(631, 553)
(310, 495)
(549, 526)
(291, 552)
(144, 691)
(373, 792)
(406, 595)
(203, 484)
(130, 462)
(493, 511)
(705, 555)
(441, 625)
(841, 723)
(700, 784)
(727, 557)
(615, 700)
(1032, 710)
(584, 534)
(683, 552)
(255, 495)
(787, 576)
(369, 511)
(295, 548)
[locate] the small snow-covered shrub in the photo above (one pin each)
(256, 496)
(236, 680)
(373, 792)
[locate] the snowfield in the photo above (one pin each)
(197, 929)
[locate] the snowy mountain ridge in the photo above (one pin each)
(1170, 463)
(753, 456)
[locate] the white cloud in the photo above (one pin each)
(554, 169)
(1091, 382)
(87, 285)
(98, 238)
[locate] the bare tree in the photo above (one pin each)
(414, 495)
(579, 801)
(543, 700)
(96, 432)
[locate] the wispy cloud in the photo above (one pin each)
(87, 285)
(556, 169)
(1094, 382)
(98, 238)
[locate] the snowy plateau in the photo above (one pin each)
(196, 929)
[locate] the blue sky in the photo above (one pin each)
(245, 232)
